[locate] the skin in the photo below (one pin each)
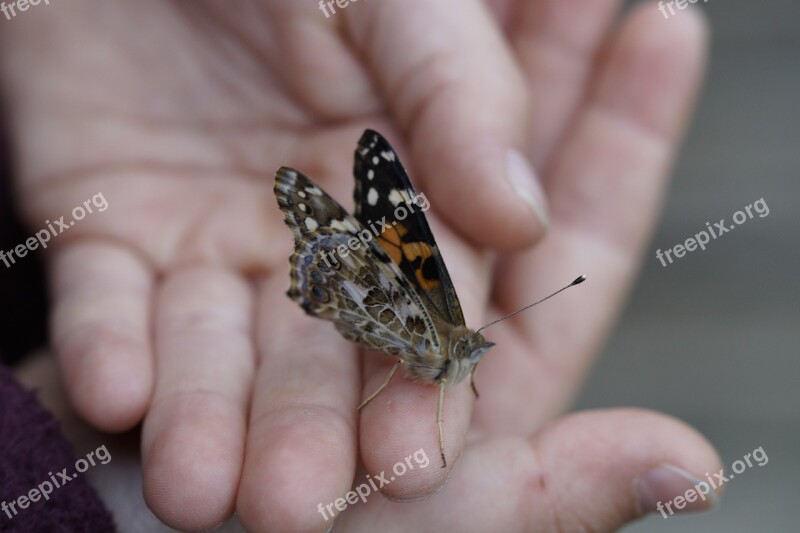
(169, 308)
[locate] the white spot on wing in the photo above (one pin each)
(375, 160)
(311, 224)
(314, 190)
(388, 155)
(302, 207)
(349, 226)
(337, 225)
(301, 194)
(370, 174)
(395, 197)
(372, 196)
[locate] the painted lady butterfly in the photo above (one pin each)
(390, 293)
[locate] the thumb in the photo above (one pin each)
(591, 471)
(453, 87)
(606, 468)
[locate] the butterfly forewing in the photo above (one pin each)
(384, 196)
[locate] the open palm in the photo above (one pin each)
(170, 308)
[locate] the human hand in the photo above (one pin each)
(170, 306)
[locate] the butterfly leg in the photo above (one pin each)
(472, 381)
(442, 384)
(383, 386)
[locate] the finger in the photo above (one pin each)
(194, 434)
(604, 189)
(453, 87)
(556, 43)
(301, 448)
(101, 310)
(619, 456)
(630, 128)
(592, 471)
(402, 418)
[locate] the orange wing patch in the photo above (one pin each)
(391, 242)
(415, 255)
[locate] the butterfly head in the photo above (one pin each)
(467, 347)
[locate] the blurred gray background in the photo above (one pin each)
(714, 338)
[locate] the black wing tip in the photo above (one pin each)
(371, 138)
(369, 134)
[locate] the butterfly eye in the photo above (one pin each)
(462, 349)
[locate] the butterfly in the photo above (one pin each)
(377, 273)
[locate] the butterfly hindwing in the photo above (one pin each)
(362, 291)
(384, 196)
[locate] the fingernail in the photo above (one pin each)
(526, 184)
(668, 490)
(422, 496)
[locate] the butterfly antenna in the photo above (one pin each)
(577, 281)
